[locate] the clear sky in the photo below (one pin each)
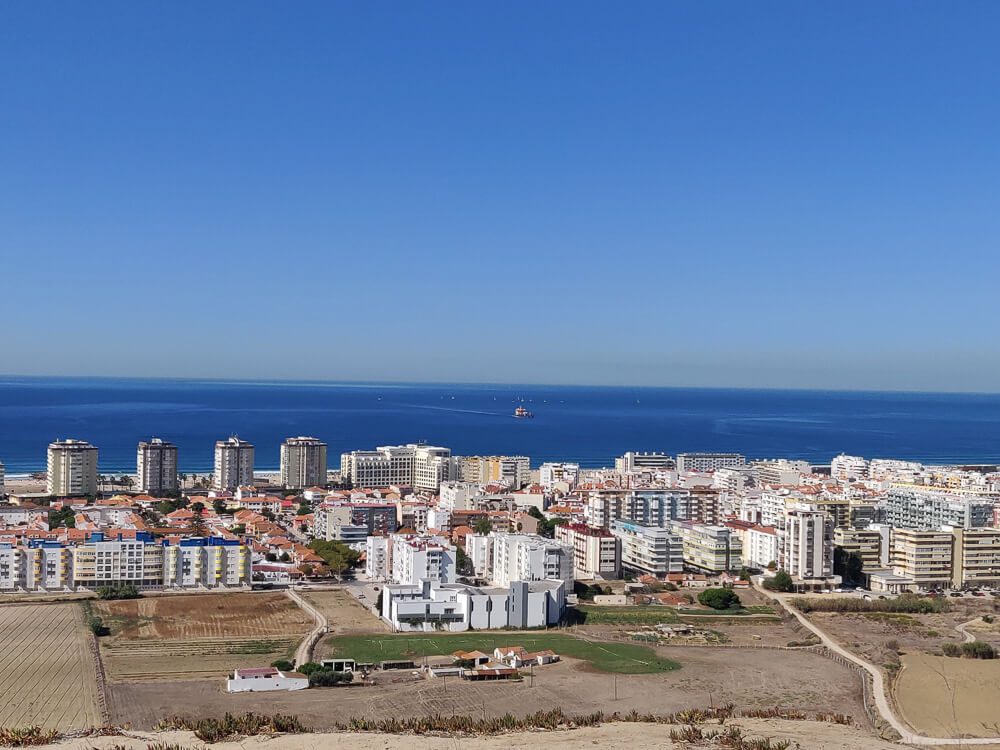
(664, 193)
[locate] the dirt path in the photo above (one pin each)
(881, 690)
(304, 652)
(969, 637)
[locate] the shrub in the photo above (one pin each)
(118, 591)
(97, 626)
(327, 678)
(780, 582)
(308, 668)
(978, 650)
(283, 665)
(719, 598)
(908, 603)
(951, 649)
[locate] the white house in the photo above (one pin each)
(261, 679)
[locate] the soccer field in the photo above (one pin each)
(625, 658)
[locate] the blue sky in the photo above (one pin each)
(745, 194)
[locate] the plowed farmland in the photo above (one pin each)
(47, 673)
(198, 636)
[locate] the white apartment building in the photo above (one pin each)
(132, 561)
(459, 495)
(303, 463)
(709, 548)
(849, 468)
(421, 557)
(432, 606)
(10, 567)
(46, 566)
(633, 462)
(439, 519)
(72, 468)
(920, 508)
(417, 465)
(780, 471)
(649, 549)
(551, 474)
(806, 544)
(597, 553)
(525, 557)
(233, 464)
(377, 550)
(514, 470)
(708, 461)
(731, 480)
(156, 466)
(760, 546)
(205, 562)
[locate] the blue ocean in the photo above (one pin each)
(591, 425)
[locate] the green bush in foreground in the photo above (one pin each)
(719, 598)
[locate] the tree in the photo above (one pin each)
(62, 517)
(378, 601)
(285, 557)
(719, 598)
(849, 566)
(304, 509)
(218, 506)
(283, 665)
(781, 582)
(306, 570)
(463, 563)
(308, 668)
(327, 677)
(271, 557)
(97, 626)
(197, 507)
(483, 526)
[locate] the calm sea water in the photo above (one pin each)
(591, 425)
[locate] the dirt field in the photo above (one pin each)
(948, 697)
(868, 634)
(47, 673)
(744, 676)
(204, 616)
(344, 613)
(198, 636)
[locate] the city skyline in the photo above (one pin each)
(777, 196)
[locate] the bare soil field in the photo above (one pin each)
(47, 673)
(204, 616)
(746, 677)
(344, 613)
(198, 636)
(941, 696)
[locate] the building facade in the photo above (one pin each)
(72, 468)
(303, 463)
(156, 466)
(649, 550)
(233, 464)
(709, 461)
(597, 553)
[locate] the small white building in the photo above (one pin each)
(262, 679)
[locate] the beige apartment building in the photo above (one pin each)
(233, 464)
(72, 468)
(156, 466)
(922, 557)
(303, 463)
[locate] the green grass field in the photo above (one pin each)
(625, 658)
(591, 614)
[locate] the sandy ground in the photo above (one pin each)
(803, 734)
(748, 678)
(343, 612)
(942, 696)
(47, 674)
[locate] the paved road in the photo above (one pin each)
(881, 701)
(304, 652)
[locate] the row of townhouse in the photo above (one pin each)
(199, 562)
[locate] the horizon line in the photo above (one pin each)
(484, 383)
